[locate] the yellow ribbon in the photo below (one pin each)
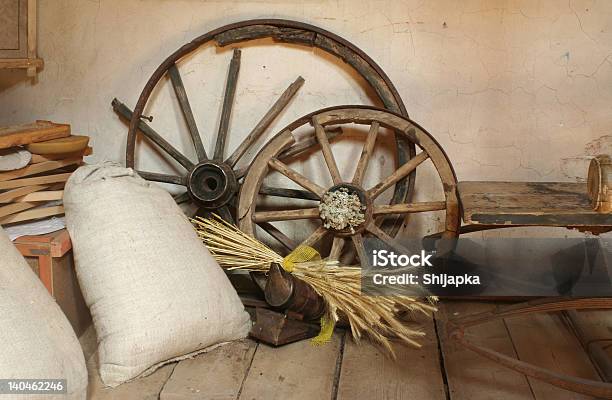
(304, 254)
(299, 255)
(326, 332)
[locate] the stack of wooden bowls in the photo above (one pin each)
(36, 160)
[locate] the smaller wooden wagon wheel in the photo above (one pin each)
(269, 161)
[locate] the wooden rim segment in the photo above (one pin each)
(267, 161)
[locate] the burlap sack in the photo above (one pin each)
(155, 293)
(36, 339)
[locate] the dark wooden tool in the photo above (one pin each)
(286, 292)
(296, 308)
(277, 329)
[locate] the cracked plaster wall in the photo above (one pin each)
(513, 90)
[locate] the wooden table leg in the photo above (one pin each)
(45, 272)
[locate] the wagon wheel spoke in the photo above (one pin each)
(385, 237)
(154, 176)
(366, 153)
(359, 247)
(286, 215)
(181, 95)
(314, 237)
(221, 212)
(289, 193)
(409, 208)
(241, 172)
(265, 121)
(297, 148)
(296, 177)
(400, 173)
(182, 198)
(228, 102)
(327, 152)
(155, 137)
(310, 142)
(273, 231)
(336, 249)
(225, 214)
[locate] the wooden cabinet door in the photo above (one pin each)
(13, 28)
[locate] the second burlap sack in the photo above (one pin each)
(154, 291)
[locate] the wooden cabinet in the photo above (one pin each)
(18, 35)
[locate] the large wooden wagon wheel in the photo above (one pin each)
(212, 181)
(268, 162)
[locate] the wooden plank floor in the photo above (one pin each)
(440, 370)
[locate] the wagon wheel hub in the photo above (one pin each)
(212, 183)
(345, 209)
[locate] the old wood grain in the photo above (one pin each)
(366, 373)
(599, 183)
(183, 99)
(15, 208)
(314, 237)
(328, 155)
(39, 158)
(529, 203)
(265, 121)
(32, 214)
(252, 183)
(38, 168)
(217, 374)
(228, 102)
(545, 341)
(9, 195)
(399, 173)
(296, 177)
(409, 207)
(594, 330)
(471, 376)
(38, 131)
(13, 28)
(46, 195)
(39, 180)
(298, 371)
(286, 215)
(366, 153)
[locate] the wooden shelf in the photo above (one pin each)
(21, 63)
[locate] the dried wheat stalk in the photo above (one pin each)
(375, 317)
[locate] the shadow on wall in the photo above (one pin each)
(13, 77)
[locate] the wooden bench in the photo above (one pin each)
(50, 257)
(491, 205)
(494, 205)
(45, 248)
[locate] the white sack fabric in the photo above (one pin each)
(154, 291)
(36, 339)
(11, 159)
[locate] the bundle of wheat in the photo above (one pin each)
(376, 317)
